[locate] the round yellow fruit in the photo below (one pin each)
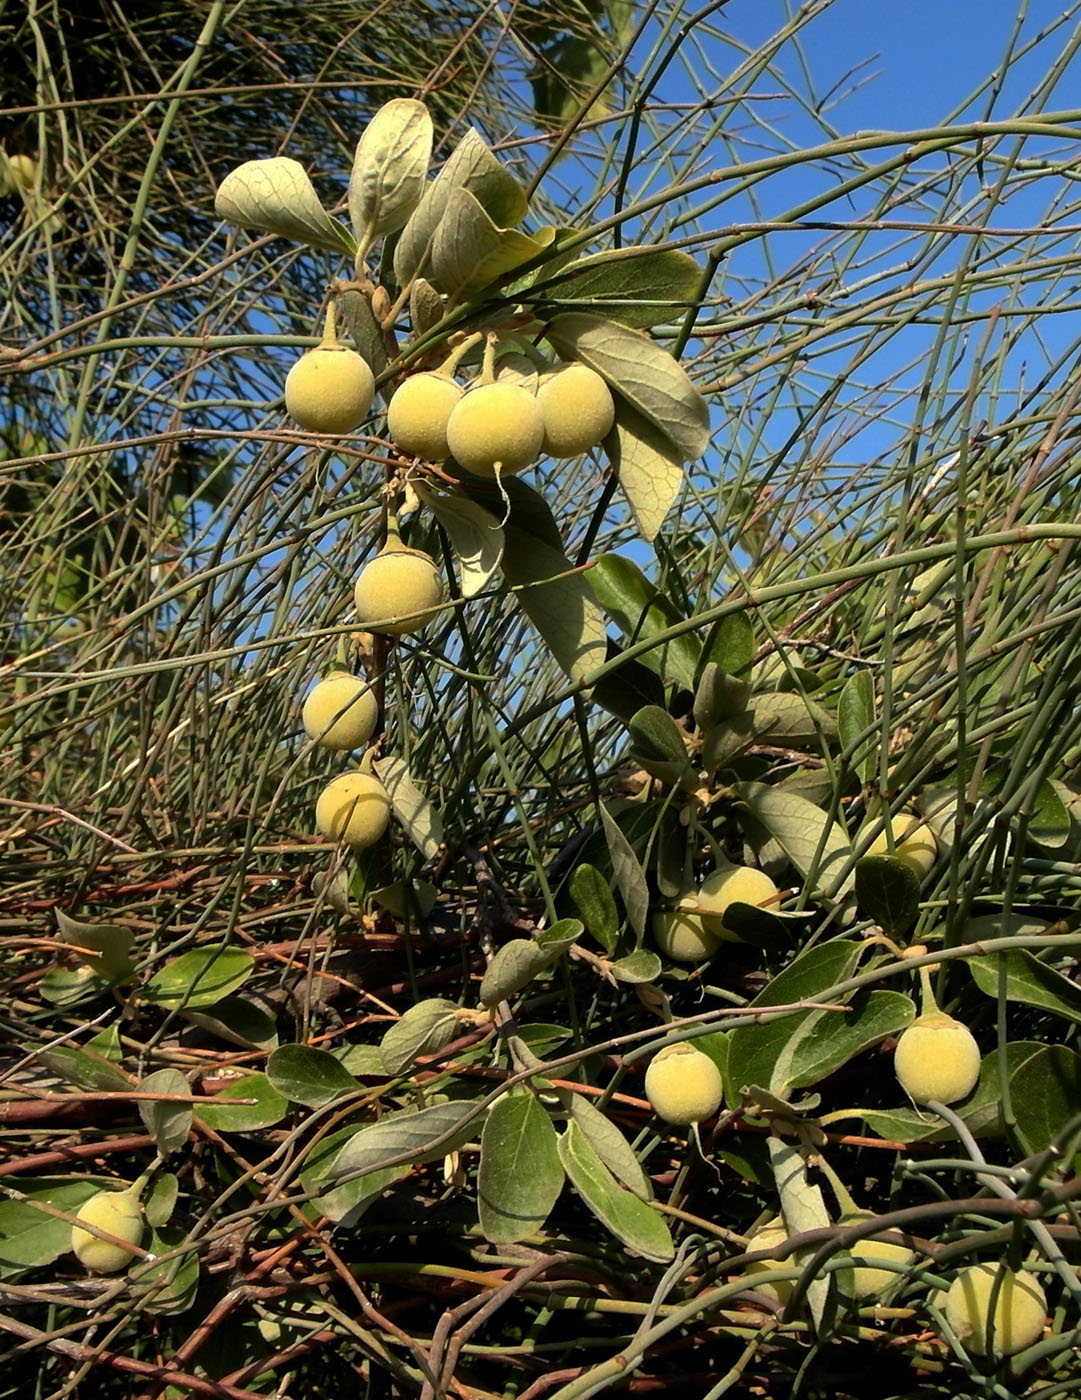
(119, 1213)
(1019, 1316)
(22, 173)
(341, 712)
(578, 411)
(398, 591)
(937, 1059)
(913, 842)
(354, 809)
(496, 428)
(683, 1085)
(772, 1234)
(418, 414)
(867, 1279)
(329, 390)
(737, 884)
(680, 935)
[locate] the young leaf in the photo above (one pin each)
(560, 608)
(307, 1075)
(818, 847)
(512, 968)
(199, 978)
(657, 745)
(106, 948)
(641, 613)
(643, 374)
(473, 167)
(719, 696)
(160, 1199)
(591, 894)
(520, 1173)
(648, 465)
(268, 1106)
(167, 1123)
(390, 169)
(169, 1286)
(855, 716)
(476, 536)
(610, 1146)
(640, 966)
(276, 196)
(424, 1029)
(629, 875)
(628, 1218)
(416, 814)
(469, 251)
(637, 286)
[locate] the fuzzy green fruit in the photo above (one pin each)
(418, 414)
(683, 1085)
(329, 390)
(937, 1058)
(1019, 1316)
(354, 809)
(398, 591)
(773, 1233)
(117, 1212)
(577, 408)
(341, 712)
(737, 884)
(913, 842)
(496, 428)
(680, 935)
(868, 1280)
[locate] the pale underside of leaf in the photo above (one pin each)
(390, 168)
(276, 196)
(411, 807)
(647, 465)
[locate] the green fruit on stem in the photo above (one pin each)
(341, 712)
(772, 1234)
(398, 591)
(733, 884)
(354, 809)
(937, 1059)
(680, 934)
(118, 1213)
(913, 842)
(683, 1085)
(329, 390)
(418, 414)
(577, 408)
(1019, 1314)
(867, 1279)
(496, 428)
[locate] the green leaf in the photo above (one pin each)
(160, 1199)
(643, 374)
(422, 1030)
(471, 166)
(637, 286)
(520, 1173)
(730, 645)
(826, 1040)
(558, 937)
(417, 816)
(268, 1106)
(628, 1218)
(512, 968)
(560, 608)
(469, 251)
(1046, 1095)
(476, 536)
(106, 948)
(623, 691)
(106, 1045)
(888, 891)
(307, 1075)
(803, 1208)
(648, 465)
(1028, 980)
(167, 1123)
(390, 169)
(83, 1069)
(171, 1286)
(590, 892)
(641, 613)
(639, 966)
(64, 986)
(657, 744)
(800, 829)
(1049, 819)
(237, 1021)
(199, 978)
(276, 196)
(718, 696)
(629, 876)
(568, 71)
(855, 716)
(30, 1238)
(610, 1146)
